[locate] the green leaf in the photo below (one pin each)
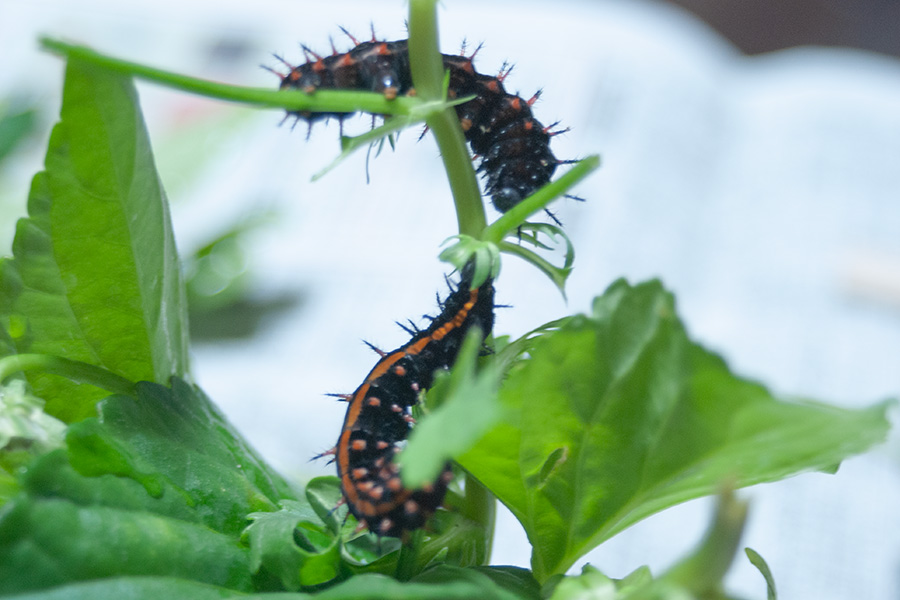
(445, 581)
(760, 563)
(52, 476)
(590, 584)
(144, 588)
(618, 415)
(16, 125)
(95, 276)
(173, 440)
(51, 542)
(514, 579)
(440, 584)
(158, 484)
(465, 249)
(274, 538)
(324, 496)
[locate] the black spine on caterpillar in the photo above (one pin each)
(378, 420)
(514, 147)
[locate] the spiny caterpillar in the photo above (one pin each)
(378, 420)
(513, 146)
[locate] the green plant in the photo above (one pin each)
(131, 484)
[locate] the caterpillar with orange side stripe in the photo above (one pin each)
(378, 417)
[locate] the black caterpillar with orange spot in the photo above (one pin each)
(378, 416)
(513, 146)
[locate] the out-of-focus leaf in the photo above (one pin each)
(701, 572)
(444, 583)
(591, 583)
(26, 432)
(15, 126)
(49, 542)
(513, 579)
(760, 563)
(145, 588)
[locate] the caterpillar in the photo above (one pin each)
(378, 416)
(513, 146)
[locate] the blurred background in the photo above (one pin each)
(757, 26)
(751, 160)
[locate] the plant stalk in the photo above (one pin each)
(291, 100)
(427, 68)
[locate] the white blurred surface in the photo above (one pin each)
(764, 191)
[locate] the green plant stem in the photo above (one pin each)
(407, 562)
(75, 370)
(321, 100)
(481, 507)
(514, 217)
(427, 68)
(703, 571)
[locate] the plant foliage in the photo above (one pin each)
(595, 422)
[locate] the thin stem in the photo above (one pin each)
(702, 572)
(75, 370)
(427, 68)
(321, 100)
(426, 63)
(409, 556)
(481, 507)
